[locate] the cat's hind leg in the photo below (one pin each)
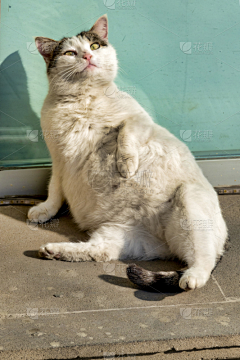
(196, 233)
(110, 242)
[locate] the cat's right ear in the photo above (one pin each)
(45, 47)
(101, 27)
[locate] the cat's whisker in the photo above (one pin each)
(66, 74)
(58, 74)
(61, 75)
(122, 70)
(71, 73)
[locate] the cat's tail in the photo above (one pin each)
(164, 281)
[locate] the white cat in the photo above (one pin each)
(133, 185)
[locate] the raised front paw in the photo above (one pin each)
(127, 166)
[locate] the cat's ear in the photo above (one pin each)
(45, 47)
(101, 27)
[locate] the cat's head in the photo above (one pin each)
(87, 55)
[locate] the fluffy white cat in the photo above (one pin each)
(133, 185)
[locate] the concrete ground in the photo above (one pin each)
(60, 310)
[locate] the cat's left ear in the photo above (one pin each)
(101, 27)
(45, 46)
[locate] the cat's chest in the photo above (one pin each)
(79, 127)
(77, 136)
(71, 121)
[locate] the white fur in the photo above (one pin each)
(104, 148)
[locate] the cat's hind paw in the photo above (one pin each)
(193, 279)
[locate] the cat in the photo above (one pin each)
(129, 182)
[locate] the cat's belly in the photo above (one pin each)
(97, 193)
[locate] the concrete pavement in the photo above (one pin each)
(60, 310)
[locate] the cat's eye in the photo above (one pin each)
(95, 46)
(70, 53)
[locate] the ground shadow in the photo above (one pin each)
(17, 115)
(68, 228)
(33, 254)
(62, 223)
(151, 293)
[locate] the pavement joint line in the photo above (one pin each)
(219, 287)
(15, 316)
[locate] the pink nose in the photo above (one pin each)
(87, 56)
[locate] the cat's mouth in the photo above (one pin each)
(90, 66)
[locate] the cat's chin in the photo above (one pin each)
(84, 73)
(90, 67)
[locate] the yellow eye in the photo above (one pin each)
(70, 53)
(95, 46)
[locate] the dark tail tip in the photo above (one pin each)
(136, 275)
(164, 281)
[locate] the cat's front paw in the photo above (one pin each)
(193, 279)
(127, 167)
(73, 252)
(50, 251)
(65, 251)
(39, 214)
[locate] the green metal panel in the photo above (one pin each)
(180, 59)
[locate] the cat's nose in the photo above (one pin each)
(87, 56)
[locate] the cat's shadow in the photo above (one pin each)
(72, 232)
(68, 228)
(151, 294)
(62, 223)
(18, 118)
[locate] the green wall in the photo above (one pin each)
(180, 59)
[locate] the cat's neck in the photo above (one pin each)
(86, 88)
